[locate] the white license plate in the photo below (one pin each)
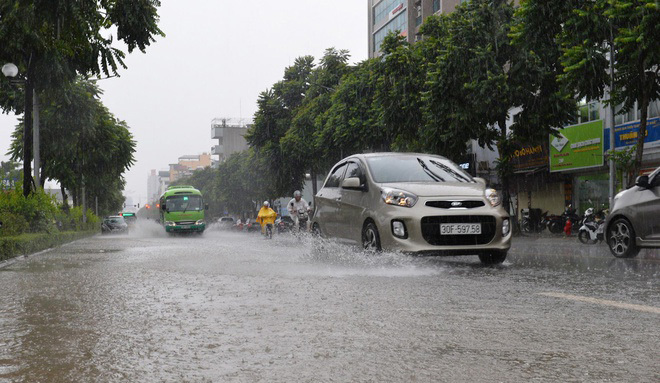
(186, 226)
(460, 228)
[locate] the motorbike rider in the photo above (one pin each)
(266, 216)
(298, 206)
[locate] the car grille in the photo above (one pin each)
(185, 223)
(448, 204)
(431, 230)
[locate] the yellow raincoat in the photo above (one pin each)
(266, 215)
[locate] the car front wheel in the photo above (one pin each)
(621, 239)
(492, 258)
(370, 237)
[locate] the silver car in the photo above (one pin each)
(633, 222)
(417, 203)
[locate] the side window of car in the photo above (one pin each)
(656, 181)
(355, 170)
(335, 177)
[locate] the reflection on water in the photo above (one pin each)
(229, 306)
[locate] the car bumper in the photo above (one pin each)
(185, 228)
(422, 224)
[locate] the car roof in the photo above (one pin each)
(392, 154)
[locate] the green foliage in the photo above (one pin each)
(24, 244)
(74, 120)
(37, 211)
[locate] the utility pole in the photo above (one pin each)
(612, 185)
(35, 138)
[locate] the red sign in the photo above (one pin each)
(396, 11)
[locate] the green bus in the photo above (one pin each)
(182, 210)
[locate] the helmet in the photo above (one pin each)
(266, 203)
(297, 193)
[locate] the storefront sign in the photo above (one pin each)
(396, 11)
(626, 134)
(577, 147)
(530, 157)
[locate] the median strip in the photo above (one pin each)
(622, 305)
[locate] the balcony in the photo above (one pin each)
(217, 131)
(218, 150)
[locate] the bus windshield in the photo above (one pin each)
(184, 203)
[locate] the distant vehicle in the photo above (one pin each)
(129, 217)
(114, 224)
(633, 222)
(416, 203)
(284, 224)
(182, 210)
(226, 222)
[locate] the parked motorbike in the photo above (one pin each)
(592, 228)
(556, 223)
(533, 221)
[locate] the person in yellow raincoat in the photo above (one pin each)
(266, 216)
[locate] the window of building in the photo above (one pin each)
(399, 23)
(588, 111)
(382, 10)
(437, 6)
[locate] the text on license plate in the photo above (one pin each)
(460, 228)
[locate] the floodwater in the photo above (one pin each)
(236, 307)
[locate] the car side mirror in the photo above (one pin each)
(480, 180)
(352, 183)
(642, 182)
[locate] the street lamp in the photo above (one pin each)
(10, 70)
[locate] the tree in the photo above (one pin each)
(630, 29)
(83, 144)
(53, 41)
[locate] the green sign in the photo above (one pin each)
(577, 147)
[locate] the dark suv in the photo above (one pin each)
(633, 222)
(114, 224)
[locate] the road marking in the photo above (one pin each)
(628, 306)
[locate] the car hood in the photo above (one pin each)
(439, 189)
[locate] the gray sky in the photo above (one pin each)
(217, 56)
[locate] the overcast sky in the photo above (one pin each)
(216, 58)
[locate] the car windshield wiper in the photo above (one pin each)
(451, 171)
(430, 173)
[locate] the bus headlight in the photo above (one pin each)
(170, 223)
(199, 222)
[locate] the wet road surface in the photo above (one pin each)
(234, 307)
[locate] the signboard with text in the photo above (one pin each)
(577, 147)
(625, 135)
(530, 157)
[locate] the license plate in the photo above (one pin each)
(185, 226)
(460, 228)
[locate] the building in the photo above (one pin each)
(153, 186)
(187, 165)
(402, 15)
(230, 134)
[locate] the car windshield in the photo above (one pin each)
(114, 220)
(184, 203)
(389, 169)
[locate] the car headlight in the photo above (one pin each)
(506, 227)
(199, 222)
(398, 197)
(170, 223)
(493, 197)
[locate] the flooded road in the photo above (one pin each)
(234, 307)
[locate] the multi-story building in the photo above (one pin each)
(188, 164)
(405, 16)
(230, 134)
(153, 186)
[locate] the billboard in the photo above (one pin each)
(529, 157)
(577, 147)
(626, 134)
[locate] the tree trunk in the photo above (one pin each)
(644, 106)
(27, 139)
(65, 199)
(503, 148)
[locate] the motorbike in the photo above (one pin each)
(556, 223)
(592, 228)
(533, 221)
(284, 224)
(269, 230)
(303, 217)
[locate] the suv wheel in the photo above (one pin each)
(370, 237)
(621, 239)
(492, 258)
